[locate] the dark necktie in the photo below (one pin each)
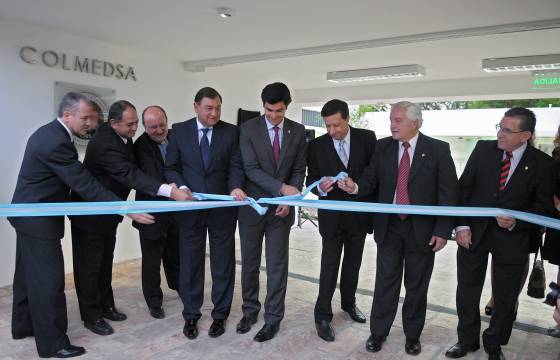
(163, 150)
(276, 144)
(205, 147)
(402, 180)
(504, 171)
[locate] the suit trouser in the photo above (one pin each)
(192, 245)
(400, 246)
(471, 273)
(39, 305)
(156, 251)
(352, 240)
(93, 270)
(276, 231)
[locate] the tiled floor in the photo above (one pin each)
(142, 337)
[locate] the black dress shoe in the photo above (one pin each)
(217, 328)
(244, 325)
(190, 330)
(99, 327)
(68, 352)
(113, 314)
(459, 350)
(374, 343)
(20, 336)
(266, 333)
(157, 312)
(325, 330)
(356, 314)
(412, 346)
(499, 355)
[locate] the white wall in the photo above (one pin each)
(26, 102)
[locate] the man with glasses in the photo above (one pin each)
(505, 173)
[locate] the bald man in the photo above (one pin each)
(159, 241)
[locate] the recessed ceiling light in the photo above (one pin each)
(391, 72)
(522, 63)
(225, 12)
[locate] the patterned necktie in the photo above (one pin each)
(402, 180)
(205, 147)
(342, 152)
(504, 171)
(276, 144)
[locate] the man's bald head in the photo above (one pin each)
(154, 120)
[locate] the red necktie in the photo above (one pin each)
(276, 144)
(402, 180)
(504, 171)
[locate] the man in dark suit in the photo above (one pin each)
(159, 242)
(347, 149)
(203, 156)
(110, 159)
(408, 168)
(50, 168)
(505, 173)
(273, 150)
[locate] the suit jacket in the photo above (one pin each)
(323, 160)
(150, 161)
(264, 176)
(184, 166)
(530, 188)
(50, 168)
(113, 164)
(432, 181)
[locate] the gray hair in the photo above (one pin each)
(70, 102)
(413, 111)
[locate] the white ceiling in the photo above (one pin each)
(185, 30)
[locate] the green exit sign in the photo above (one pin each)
(546, 81)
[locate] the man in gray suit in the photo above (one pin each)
(273, 151)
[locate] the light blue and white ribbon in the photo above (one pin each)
(217, 201)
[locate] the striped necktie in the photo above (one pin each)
(504, 171)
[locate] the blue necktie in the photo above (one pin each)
(205, 147)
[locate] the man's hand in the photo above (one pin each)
(347, 184)
(505, 222)
(238, 194)
(463, 238)
(142, 218)
(326, 184)
(282, 211)
(437, 243)
(286, 190)
(181, 194)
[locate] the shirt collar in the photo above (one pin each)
(269, 125)
(412, 141)
(517, 153)
(200, 126)
(346, 138)
(66, 128)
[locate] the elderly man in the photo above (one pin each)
(347, 149)
(203, 156)
(408, 168)
(506, 173)
(159, 242)
(110, 158)
(50, 168)
(273, 150)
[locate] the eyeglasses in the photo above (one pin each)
(507, 131)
